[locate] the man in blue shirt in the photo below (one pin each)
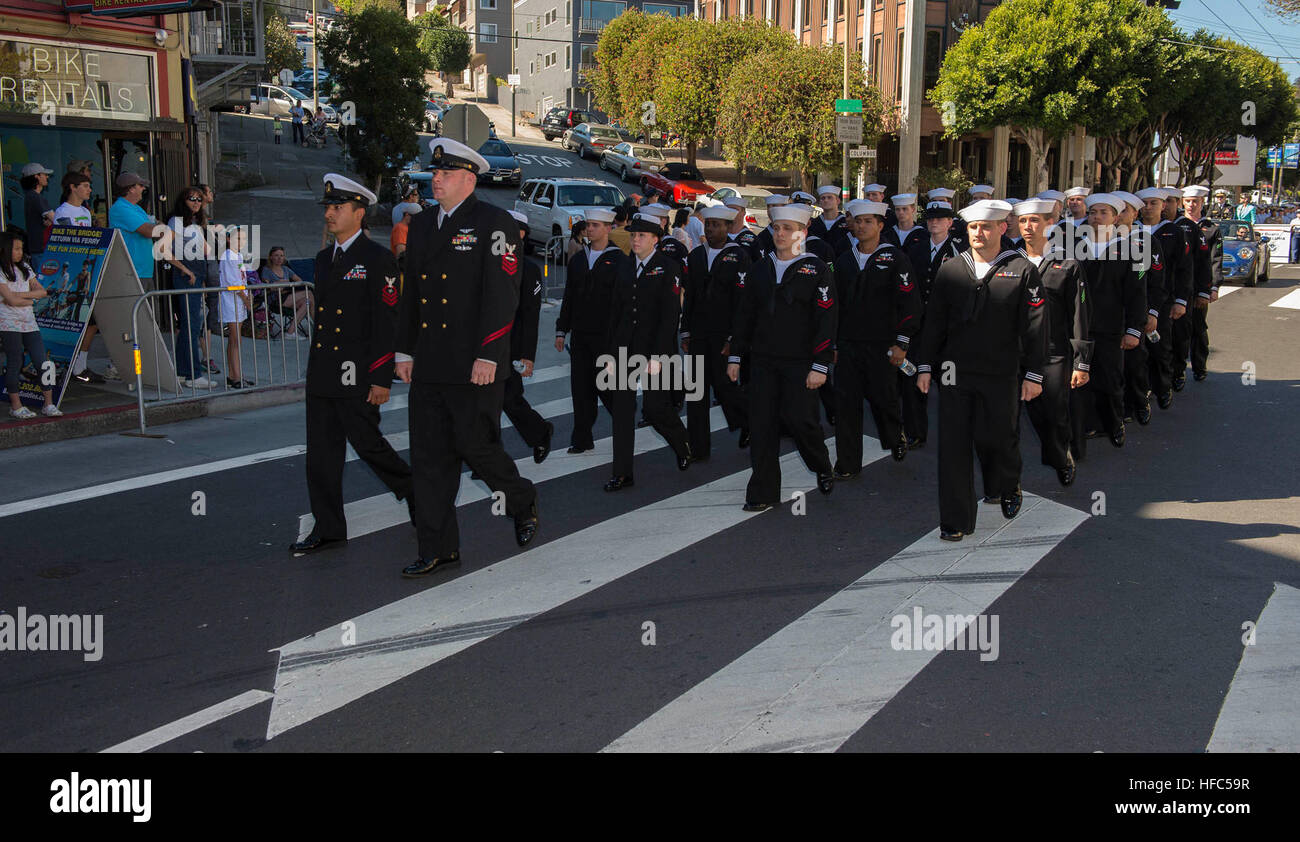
(135, 224)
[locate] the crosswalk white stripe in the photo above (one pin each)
(384, 511)
(318, 674)
(1225, 289)
(193, 722)
(1262, 707)
(1291, 300)
(817, 681)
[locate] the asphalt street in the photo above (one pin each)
(662, 617)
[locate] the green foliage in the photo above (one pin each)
(777, 108)
(282, 51)
(352, 7)
(379, 67)
(447, 45)
(637, 71)
(601, 79)
(929, 178)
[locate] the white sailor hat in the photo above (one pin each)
(597, 215)
(655, 209)
(1040, 205)
(644, 223)
(1053, 195)
(874, 188)
(1077, 191)
(801, 196)
(449, 154)
(1151, 193)
(340, 189)
(1220, 192)
(938, 210)
(828, 190)
(792, 213)
(776, 199)
(737, 202)
(941, 193)
(1128, 198)
(520, 218)
(902, 200)
(1111, 201)
(1173, 192)
(719, 211)
(980, 188)
(1013, 202)
(858, 207)
(401, 209)
(986, 210)
(1195, 191)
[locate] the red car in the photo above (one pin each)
(680, 184)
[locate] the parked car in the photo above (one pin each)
(755, 202)
(559, 120)
(630, 160)
(553, 205)
(433, 114)
(589, 139)
(623, 132)
(423, 181)
(324, 81)
(504, 167)
(1245, 252)
(680, 184)
(276, 100)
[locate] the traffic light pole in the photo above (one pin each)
(844, 184)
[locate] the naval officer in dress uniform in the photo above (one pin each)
(458, 304)
(985, 338)
(350, 362)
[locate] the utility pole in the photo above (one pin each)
(514, 48)
(844, 184)
(315, 94)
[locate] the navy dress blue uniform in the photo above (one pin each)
(835, 233)
(1178, 249)
(459, 300)
(1157, 279)
(926, 258)
(534, 429)
(990, 329)
(787, 327)
(351, 350)
(708, 312)
(1118, 308)
(1191, 332)
(880, 306)
(584, 313)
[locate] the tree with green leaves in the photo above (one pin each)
(282, 51)
(379, 69)
(447, 45)
(352, 7)
(601, 80)
(778, 109)
(637, 70)
(691, 76)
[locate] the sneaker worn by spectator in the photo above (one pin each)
(22, 413)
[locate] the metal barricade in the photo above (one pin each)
(554, 270)
(274, 311)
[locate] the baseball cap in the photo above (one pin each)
(129, 179)
(33, 168)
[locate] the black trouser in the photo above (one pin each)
(980, 412)
(827, 395)
(451, 423)
(779, 395)
(531, 426)
(333, 423)
(583, 351)
(657, 407)
(916, 418)
(1137, 376)
(863, 371)
(731, 396)
(14, 344)
(298, 136)
(1050, 412)
(1080, 400)
(1106, 381)
(1191, 336)
(1161, 355)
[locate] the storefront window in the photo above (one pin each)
(40, 77)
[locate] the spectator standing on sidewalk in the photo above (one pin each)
(296, 114)
(19, 289)
(234, 307)
(278, 129)
(187, 231)
(37, 216)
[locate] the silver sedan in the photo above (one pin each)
(630, 159)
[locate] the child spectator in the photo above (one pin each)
(18, 331)
(234, 306)
(278, 129)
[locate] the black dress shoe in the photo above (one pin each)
(314, 543)
(826, 483)
(830, 418)
(474, 475)
(991, 501)
(1011, 503)
(744, 438)
(846, 474)
(1117, 437)
(642, 423)
(1092, 434)
(899, 451)
(1200, 375)
(1143, 414)
(684, 460)
(425, 566)
(1166, 400)
(915, 443)
(1179, 382)
(950, 534)
(543, 450)
(1066, 474)
(619, 483)
(758, 507)
(526, 526)
(573, 448)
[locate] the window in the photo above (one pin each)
(550, 18)
(554, 59)
(600, 12)
(528, 27)
(862, 6)
(487, 4)
(933, 56)
(549, 60)
(805, 7)
(722, 10)
(544, 193)
(586, 55)
(898, 68)
(568, 56)
(532, 69)
(567, 11)
(875, 60)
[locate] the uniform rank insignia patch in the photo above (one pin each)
(740, 279)
(465, 240)
(1034, 299)
(1156, 265)
(356, 273)
(903, 283)
(509, 264)
(389, 295)
(825, 302)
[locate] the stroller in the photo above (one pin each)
(316, 134)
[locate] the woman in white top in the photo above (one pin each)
(187, 250)
(234, 306)
(18, 330)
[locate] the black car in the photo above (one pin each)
(560, 120)
(503, 166)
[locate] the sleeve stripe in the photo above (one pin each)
(1033, 377)
(822, 347)
(381, 361)
(497, 334)
(819, 368)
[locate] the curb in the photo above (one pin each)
(126, 417)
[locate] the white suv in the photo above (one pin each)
(553, 205)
